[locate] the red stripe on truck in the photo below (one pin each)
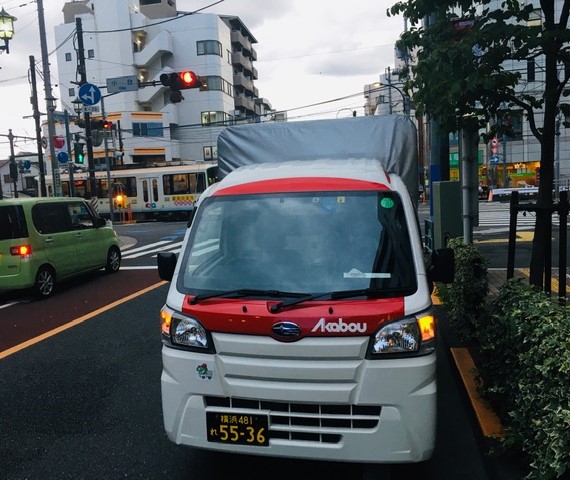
(315, 318)
(300, 184)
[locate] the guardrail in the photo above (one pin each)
(504, 194)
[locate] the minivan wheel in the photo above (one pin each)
(113, 260)
(45, 282)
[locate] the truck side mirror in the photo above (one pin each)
(442, 267)
(166, 264)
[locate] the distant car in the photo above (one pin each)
(46, 240)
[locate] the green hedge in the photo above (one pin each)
(522, 349)
(465, 297)
(525, 367)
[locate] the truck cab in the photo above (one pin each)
(299, 321)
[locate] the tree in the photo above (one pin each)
(462, 52)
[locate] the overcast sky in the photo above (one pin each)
(309, 52)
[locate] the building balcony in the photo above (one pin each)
(239, 59)
(244, 103)
(159, 45)
(238, 38)
(241, 81)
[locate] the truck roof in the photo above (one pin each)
(367, 171)
(390, 140)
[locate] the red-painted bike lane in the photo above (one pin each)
(28, 318)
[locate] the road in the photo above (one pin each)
(80, 388)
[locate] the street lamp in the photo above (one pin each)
(6, 29)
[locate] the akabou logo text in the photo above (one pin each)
(339, 327)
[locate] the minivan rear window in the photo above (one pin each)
(12, 222)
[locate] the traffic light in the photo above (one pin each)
(13, 170)
(101, 125)
(177, 81)
(78, 152)
(120, 201)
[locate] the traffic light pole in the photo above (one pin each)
(70, 161)
(86, 115)
(106, 143)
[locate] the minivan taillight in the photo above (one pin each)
(21, 250)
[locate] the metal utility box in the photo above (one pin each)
(446, 221)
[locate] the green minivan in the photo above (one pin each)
(46, 240)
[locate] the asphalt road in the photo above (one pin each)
(85, 403)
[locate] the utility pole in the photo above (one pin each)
(50, 100)
(86, 115)
(36, 115)
(13, 167)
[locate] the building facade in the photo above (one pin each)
(144, 39)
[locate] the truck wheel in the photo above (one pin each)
(44, 285)
(113, 260)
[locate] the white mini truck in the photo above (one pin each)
(299, 320)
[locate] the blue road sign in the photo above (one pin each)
(89, 94)
(494, 159)
(27, 164)
(62, 157)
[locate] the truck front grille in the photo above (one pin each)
(322, 423)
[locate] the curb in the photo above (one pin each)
(488, 420)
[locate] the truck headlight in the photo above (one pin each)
(181, 330)
(411, 335)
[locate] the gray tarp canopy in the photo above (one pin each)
(390, 139)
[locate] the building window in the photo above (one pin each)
(217, 83)
(71, 92)
(68, 57)
(148, 129)
(209, 47)
(530, 70)
(90, 53)
(209, 118)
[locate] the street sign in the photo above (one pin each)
(89, 94)
(494, 159)
(62, 157)
(58, 142)
(90, 109)
(128, 83)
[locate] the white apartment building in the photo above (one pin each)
(146, 38)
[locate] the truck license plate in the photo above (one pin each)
(243, 429)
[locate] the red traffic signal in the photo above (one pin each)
(189, 79)
(181, 80)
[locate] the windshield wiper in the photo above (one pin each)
(244, 292)
(341, 294)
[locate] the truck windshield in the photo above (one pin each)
(301, 242)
